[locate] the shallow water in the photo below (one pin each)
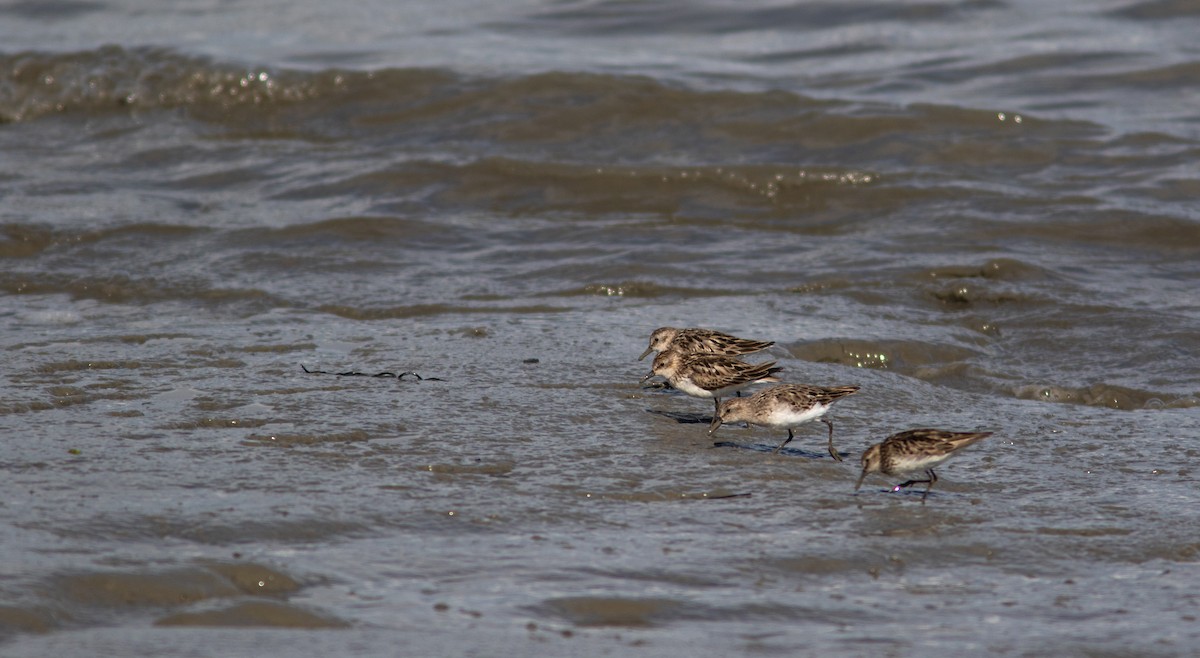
(981, 213)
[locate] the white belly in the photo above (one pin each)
(690, 388)
(789, 416)
(918, 462)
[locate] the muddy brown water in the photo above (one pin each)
(981, 213)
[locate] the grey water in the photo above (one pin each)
(218, 220)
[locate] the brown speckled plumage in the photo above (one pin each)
(784, 406)
(710, 375)
(915, 450)
(701, 341)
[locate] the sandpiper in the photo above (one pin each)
(701, 341)
(784, 406)
(710, 375)
(915, 450)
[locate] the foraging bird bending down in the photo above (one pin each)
(915, 450)
(710, 375)
(784, 406)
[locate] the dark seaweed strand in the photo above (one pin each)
(354, 373)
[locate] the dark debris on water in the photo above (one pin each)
(385, 374)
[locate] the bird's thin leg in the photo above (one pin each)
(832, 453)
(932, 478)
(909, 483)
(785, 442)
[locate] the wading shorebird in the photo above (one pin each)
(784, 406)
(710, 375)
(701, 341)
(915, 450)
